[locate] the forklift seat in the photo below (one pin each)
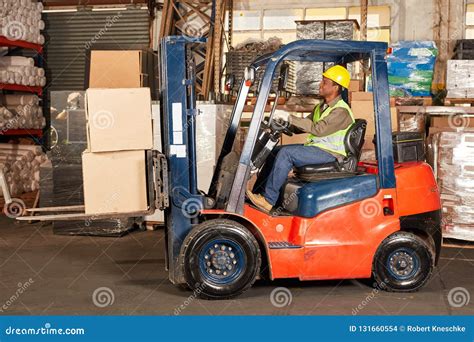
(353, 142)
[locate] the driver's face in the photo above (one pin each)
(327, 87)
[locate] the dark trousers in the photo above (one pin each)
(274, 173)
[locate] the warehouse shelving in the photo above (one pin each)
(18, 87)
(20, 44)
(23, 132)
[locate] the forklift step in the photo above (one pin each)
(282, 245)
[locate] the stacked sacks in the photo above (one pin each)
(21, 20)
(22, 71)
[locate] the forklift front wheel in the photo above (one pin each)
(403, 262)
(221, 259)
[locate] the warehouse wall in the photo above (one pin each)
(408, 21)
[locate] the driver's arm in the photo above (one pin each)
(338, 119)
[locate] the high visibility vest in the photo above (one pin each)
(333, 142)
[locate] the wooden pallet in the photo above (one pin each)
(455, 101)
(411, 101)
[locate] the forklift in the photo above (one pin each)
(344, 220)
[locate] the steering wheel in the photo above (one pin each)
(282, 126)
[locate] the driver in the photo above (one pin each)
(330, 121)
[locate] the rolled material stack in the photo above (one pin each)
(21, 70)
(455, 170)
(20, 112)
(21, 165)
(21, 20)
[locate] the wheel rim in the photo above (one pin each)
(221, 261)
(403, 263)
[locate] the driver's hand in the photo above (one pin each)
(281, 114)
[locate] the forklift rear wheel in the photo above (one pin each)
(403, 263)
(221, 259)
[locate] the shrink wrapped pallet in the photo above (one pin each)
(460, 79)
(244, 54)
(455, 174)
(309, 74)
(410, 68)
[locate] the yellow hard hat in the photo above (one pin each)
(338, 74)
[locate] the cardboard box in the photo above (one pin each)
(365, 110)
(119, 69)
(356, 85)
(118, 119)
(114, 182)
(362, 96)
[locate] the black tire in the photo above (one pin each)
(403, 263)
(224, 271)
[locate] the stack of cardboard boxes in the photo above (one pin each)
(119, 130)
(121, 69)
(362, 105)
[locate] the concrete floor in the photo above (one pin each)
(65, 271)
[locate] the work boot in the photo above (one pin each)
(259, 201)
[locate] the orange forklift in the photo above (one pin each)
(348, 219)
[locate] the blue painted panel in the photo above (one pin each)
(318, 196)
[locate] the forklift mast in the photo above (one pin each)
(178, 108)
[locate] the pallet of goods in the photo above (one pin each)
(454, 159)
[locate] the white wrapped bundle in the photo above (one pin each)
(21, 20)
(21, 70)
(20, 164)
